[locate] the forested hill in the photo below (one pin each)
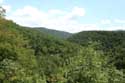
(112, 43)
(31, 56)
(56, 33)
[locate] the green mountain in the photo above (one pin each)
(31, 56)
(112, 43)
(56, 33)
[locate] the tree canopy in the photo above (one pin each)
(31, 56)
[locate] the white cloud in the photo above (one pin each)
(57, 19)
(75, 13)
(110, 25)
(78, 11)
(110, 28)
(106, 21)
(53, 19)
(119, 21)
(28, 16)
(1, 1)
(56, 11)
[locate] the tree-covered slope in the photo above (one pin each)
(56, 33)
(111, 42)
(30, 56)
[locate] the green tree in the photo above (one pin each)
(91, 66)
(2, 12)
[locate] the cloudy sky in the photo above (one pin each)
(67, 15)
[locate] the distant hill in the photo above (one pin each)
(56, 33)
(112, 43)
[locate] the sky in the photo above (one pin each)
(67, 15)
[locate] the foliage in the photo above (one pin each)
(112, 43)
(31, 56)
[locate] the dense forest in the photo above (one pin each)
(112, 43)
(28, 55)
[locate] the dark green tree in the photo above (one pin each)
(2, 12)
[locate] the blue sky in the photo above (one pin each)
(67, 15)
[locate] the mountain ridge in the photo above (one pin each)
(56, 33)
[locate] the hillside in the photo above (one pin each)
(112, 43)
(56, 33)
(31, 56)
